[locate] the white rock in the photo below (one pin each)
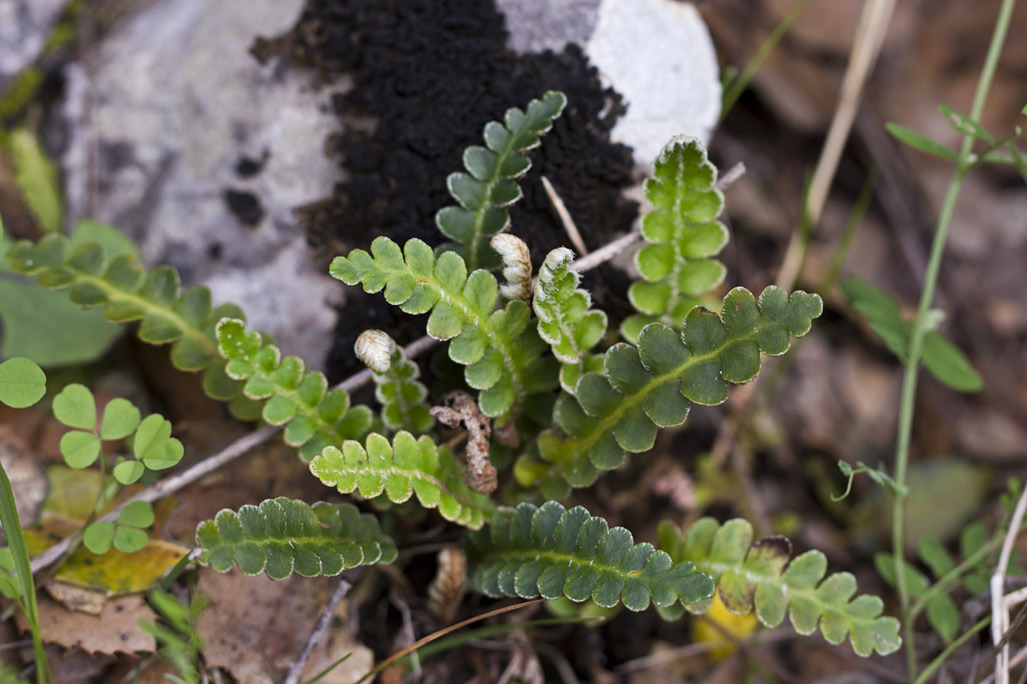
(24, 27)
(161, 116)
(658, 54)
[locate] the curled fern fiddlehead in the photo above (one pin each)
(397, 387)
(566, 320)
(406, 467)
(283, 535)
(313, 416)
(490, 184)
(682, 235)
(651, 385)
(553, 552)
(758, 576)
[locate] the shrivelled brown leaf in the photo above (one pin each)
(449, 585)
(116, 629)
(460, 408)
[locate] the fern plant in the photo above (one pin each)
(561, 405)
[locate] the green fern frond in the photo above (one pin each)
(130, 293)
(682, 235)
(500, 349)
(284, 535)
(406, 467)
(566, 320)
(758, 576)
(292, 396)
(553, 552)
(645, 387)
(490, 185)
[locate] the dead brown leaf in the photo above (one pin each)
(254, 627)
(115, 630)
(460, 408)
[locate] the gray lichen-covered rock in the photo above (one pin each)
(181, 139)
(658, 54)
(24, 26)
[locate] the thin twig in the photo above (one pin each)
(999, 604)
(565, 217)
(296, 670)
(873, 24)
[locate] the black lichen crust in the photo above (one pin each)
(430, 74)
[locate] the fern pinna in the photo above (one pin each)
(758, 576)
(682, 236)
(314, 416)
(645, 387)
(129, 293)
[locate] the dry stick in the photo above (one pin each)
(873, 24)
(565, 217)
(318, 634)
(999, 604)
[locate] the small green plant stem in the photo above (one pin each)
(19, 550)
(946, 583)
(909, 380)
(950, 649)
(740, 82)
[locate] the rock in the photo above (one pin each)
(24, 27)
(182, 140)
(657, 53)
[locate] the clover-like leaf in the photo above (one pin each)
(154, 445)
(489, 185)
(75, 407)
(289, 394)
(759, 577)
(284, 535)
(120, 419)
(501, 349)
(99, 537)
(645, 387)
(682, 234)
(22, 383)
(407, 467)
(552, 552)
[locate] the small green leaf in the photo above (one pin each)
(98, 537)
(75, 407)
(22, 383)
(137, 514)
(965, 125)
(949, 365)
(943, 615)
(922, 143)
(80, 449)
(120, 419)
(37, 179)
(154, 445)
(129, 539)
(129, 472)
